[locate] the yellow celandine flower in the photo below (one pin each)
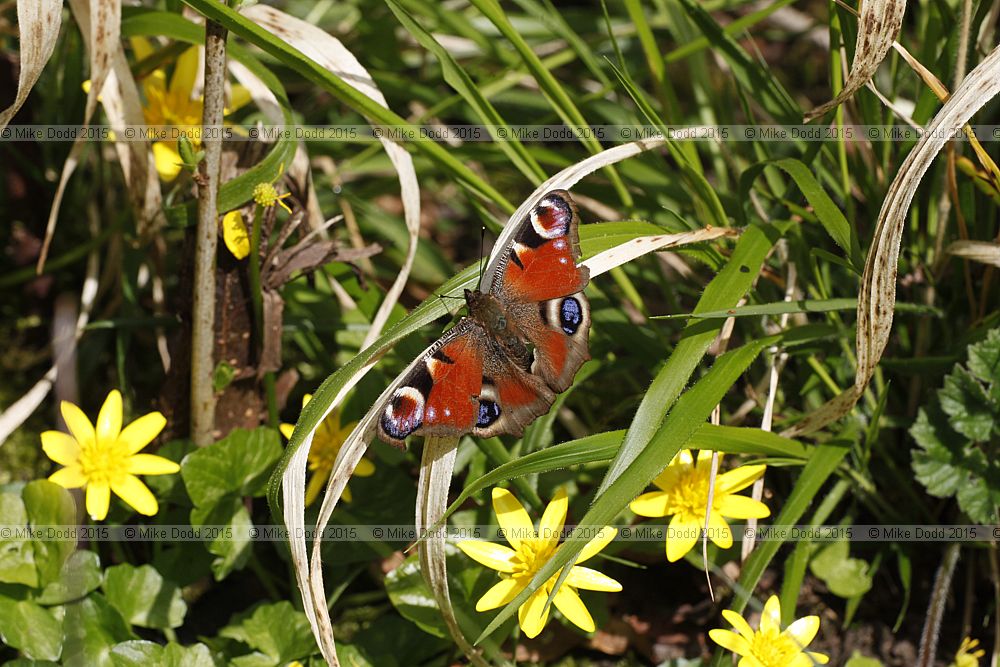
(968, 655)
(174, 103)
(105, 458)
(327, 441)
(531, 551)
(769, 646)
(683, 494)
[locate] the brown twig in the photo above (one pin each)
(203, 308)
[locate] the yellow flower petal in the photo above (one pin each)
(770, 619)
(494, 556)
(168, 161)
(591, 580)
(718, 531)
(654, 504)
(500, 594)
(751, 661)
(682, 535)
(739, 623)
(739, 478)
(594, 546)
(109, 420)
(347, 496)
(98, 499)
(551, 525)
(77, 423)
(741, 507)
(136, 494)
(803, 631)
(234, 234)
(801, 660)
(185, 73)
(239, 97)
(512, 518)
(70, 477)
(60, 447)
(286, 430)
(150, 464)
(141, 47)
(569, 603)
(317, 483)
(141, 432)
(365, 468)
(822, 659)
(533, 614)
(730, 641)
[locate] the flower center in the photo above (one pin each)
(774, 649)
(103, 462)
(265, 194)
(531, 555)
(326, 446)
(690, 496)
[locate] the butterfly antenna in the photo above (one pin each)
(482, 246)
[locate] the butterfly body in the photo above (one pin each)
(522, 342)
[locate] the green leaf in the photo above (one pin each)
(857, 660)
(93, 627)
(139, 653)
(984, 358)
(800, 306)
(846, 577)
(17, 556)
(49, 504)
(30, 628)
(236, 465)
(232, 546)
(970, 409)
(276, 630)
(829, 214)
(144, 597)
(81, 574)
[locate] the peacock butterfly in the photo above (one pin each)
(523, 341)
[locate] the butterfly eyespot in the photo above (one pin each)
(570, 315)
(489, 412)
(551, 218)
(404, 414)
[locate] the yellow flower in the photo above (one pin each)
(531, 551)
(173, 103)
(329, 437)
(234, 233)
(105, 458)
(769, 646)
(683, 493)
(968, 655)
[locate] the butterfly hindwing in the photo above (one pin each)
(543, 254)
(439, 395)
(510, 398)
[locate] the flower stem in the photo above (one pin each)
(257, 304)
(206, 240)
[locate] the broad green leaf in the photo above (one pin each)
(846, 577)
(81, 574)
(93, 627)
(17, 556)
(232, 546)
(394, 640)
(139, 653)
(969, 408)
(30, 628)
(829, 214)
(236, 465)
(49, 504)
(276, 630)
(984, 358)
(143, 597)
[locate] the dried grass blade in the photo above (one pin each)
(38, 27)
(985, 252)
